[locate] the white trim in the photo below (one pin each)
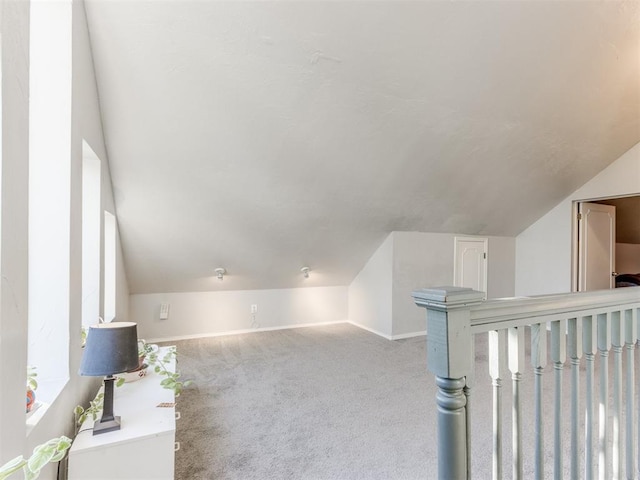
(237, 332)
(35, 415)
(380, 334)
(389, 337)
(287, 327)
(409, 335)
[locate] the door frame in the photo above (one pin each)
(575, 229)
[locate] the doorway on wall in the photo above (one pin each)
(470, 263)
(606, 241)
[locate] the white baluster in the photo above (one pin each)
(635, 318)
(590, 347)
(630, 336)
(538, 362)
(574, 345)
(604, 345)
(616, 342)
(468, 388)
(497, 343)
(516, 365)
(558, 357)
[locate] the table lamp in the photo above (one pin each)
(110, 348)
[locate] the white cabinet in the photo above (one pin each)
(144, 446)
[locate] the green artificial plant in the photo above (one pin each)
(172, 379)
(52, 451)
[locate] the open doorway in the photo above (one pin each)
(590, 249)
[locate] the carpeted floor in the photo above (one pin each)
(308, 403)
(332, 402)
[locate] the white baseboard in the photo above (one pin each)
(237, 332)
(380, 334)
(389, 337)
(286, 327)
(409, 335)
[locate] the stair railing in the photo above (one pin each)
(594, 325)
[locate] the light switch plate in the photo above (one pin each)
(164, 311)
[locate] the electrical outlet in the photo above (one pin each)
(164, 311)
(254, 308)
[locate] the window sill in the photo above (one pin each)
(46, 394)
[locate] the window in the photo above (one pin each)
(91, 213)
(109, 266)
(49, 194)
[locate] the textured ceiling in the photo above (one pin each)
(265, 136)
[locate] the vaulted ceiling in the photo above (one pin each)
(265, 136)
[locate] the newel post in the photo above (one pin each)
(449, 358)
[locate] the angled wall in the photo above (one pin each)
(543, 251)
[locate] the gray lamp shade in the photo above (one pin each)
(110, 348)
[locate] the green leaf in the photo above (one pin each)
(29, 475)
(120, 382)
(59, 455)
(78, 410)
(40, 458)
(52, 451)
(64, 444)
(12, 466)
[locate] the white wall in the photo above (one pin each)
(420, 260)
(195, 314)
(14, 48)
(370, 293)
(501, 273)
(86, 124)
(627, 258)
(424, 260)
(379, 298)
(543, 251)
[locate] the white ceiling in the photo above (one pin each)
(265, 136)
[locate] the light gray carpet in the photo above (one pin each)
(333, 402)
(310, 403)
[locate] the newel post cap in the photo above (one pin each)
(446, 297)
(449, 345)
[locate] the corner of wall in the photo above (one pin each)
(370, 293)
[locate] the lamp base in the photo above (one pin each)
(106, 426)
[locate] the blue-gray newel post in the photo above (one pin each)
(449, 357)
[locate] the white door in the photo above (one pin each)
(470, 263)
(596, 246)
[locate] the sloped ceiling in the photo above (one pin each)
(265, 136)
